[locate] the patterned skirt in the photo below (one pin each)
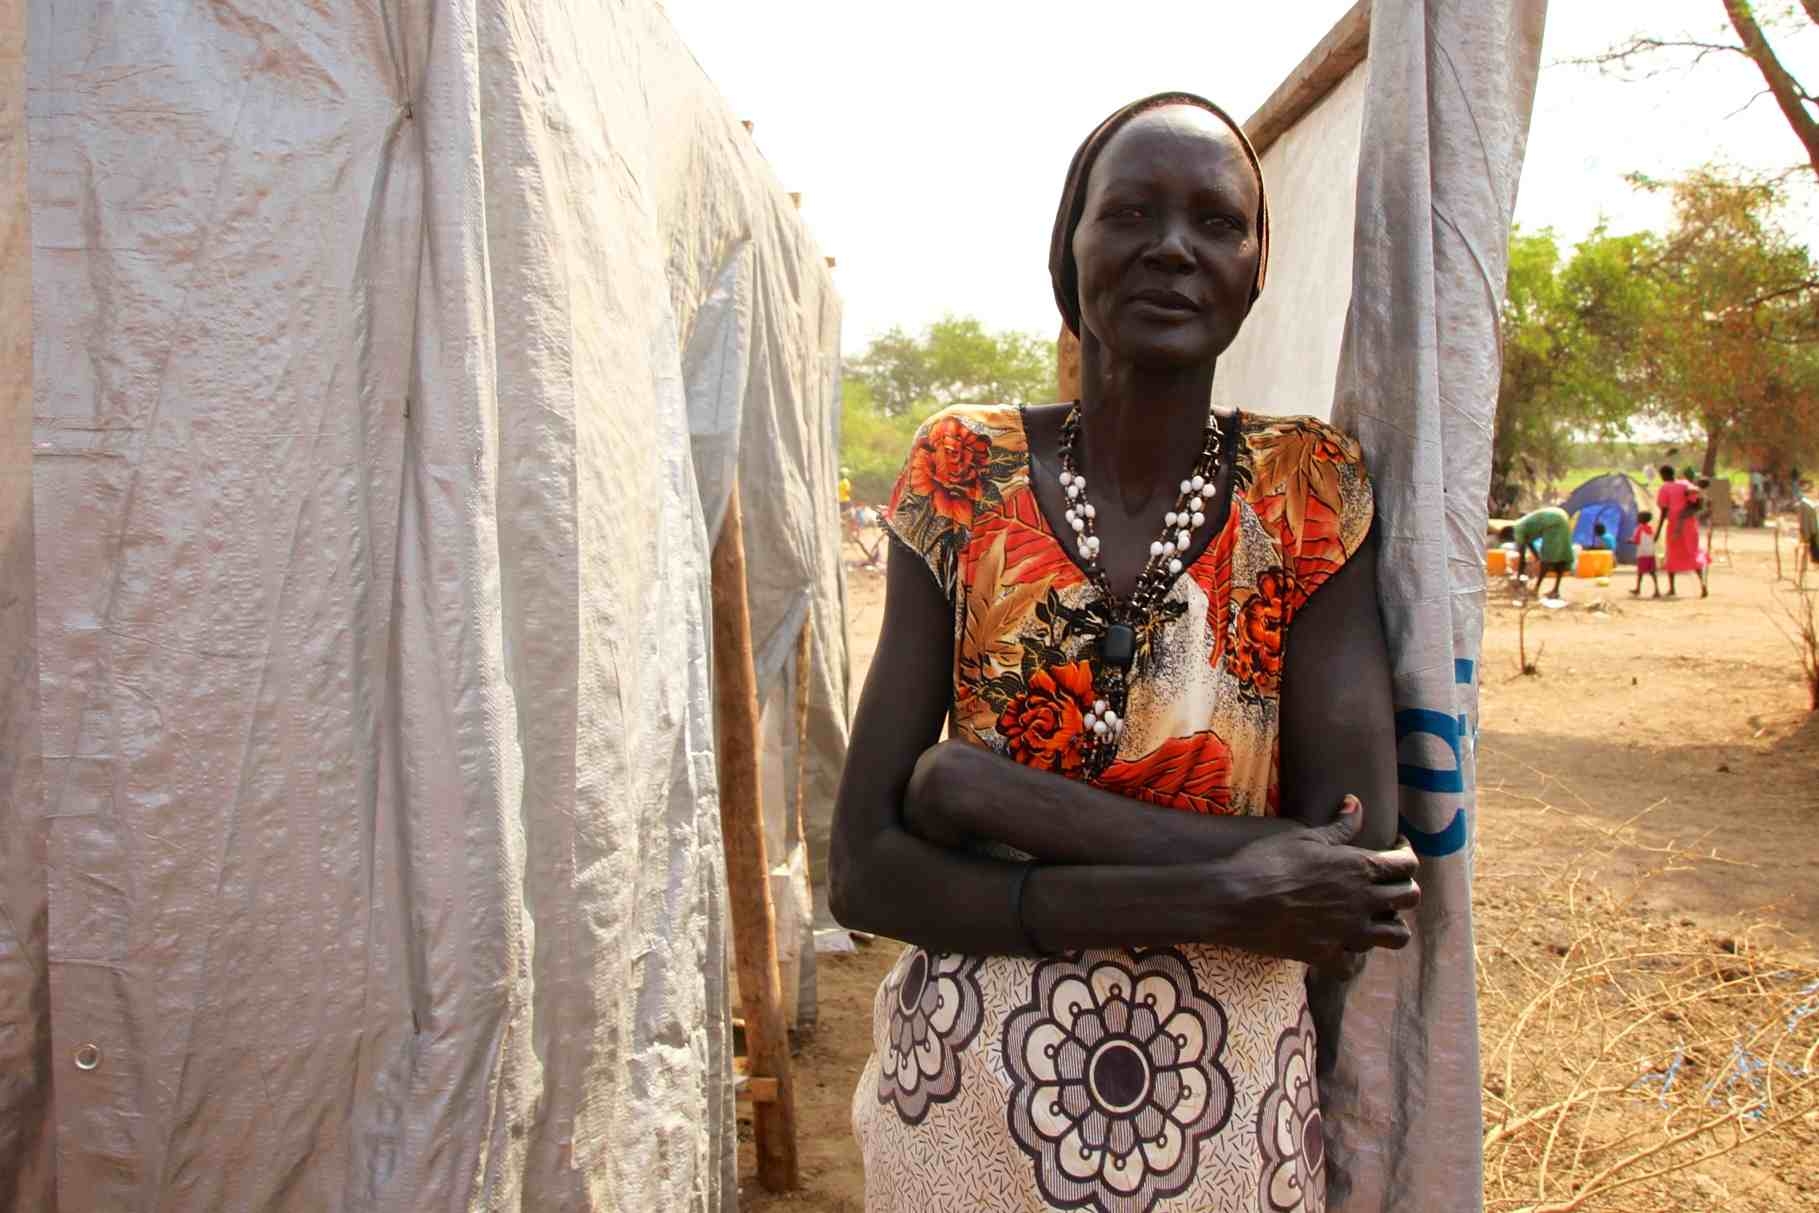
(1156, 1081)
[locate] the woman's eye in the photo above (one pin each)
(1127, 212)
(1231, 222)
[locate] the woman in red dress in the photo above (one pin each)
(1679, 502)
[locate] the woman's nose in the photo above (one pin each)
(1170, 249)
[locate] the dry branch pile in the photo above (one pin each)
(1633, 1060)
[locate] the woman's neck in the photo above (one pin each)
(1141, 426)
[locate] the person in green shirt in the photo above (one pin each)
(1547, 532)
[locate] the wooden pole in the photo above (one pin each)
(747, 870)
(805, 652)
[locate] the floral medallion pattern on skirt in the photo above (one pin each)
(933, 1000)
(1116, 1074)
(1289, 1129)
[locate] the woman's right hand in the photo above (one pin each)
(1310, 895)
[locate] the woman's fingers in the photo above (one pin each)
(1390, 933)
(1392, 867)
(1401, 895)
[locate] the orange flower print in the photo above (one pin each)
(1042, 726)
(946, 466)
(1192, 773)
(1256, 655)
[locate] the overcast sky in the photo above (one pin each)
(929, 140)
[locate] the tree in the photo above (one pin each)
(900, 380)
(1755, 25)
(1734, 351)
(1570, 366)
(1713, 327)
(956, 360)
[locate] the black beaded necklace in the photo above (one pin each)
(1127, 624)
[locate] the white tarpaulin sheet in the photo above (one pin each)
(1286, 356)
(377, 830)
(1451, 84)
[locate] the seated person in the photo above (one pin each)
(1601, 539)
(1548, 532)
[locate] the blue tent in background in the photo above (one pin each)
(1612, 499)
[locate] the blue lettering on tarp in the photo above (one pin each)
(1463, 667)
(1412, 721)
(1438, 781)
(1434, 845)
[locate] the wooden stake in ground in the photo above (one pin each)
(805, 651)
(748, 879)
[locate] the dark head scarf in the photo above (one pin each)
(1061, 269)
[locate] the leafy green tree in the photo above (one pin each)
(1571, 332)
(956, 360)
(1734, 352)
(872, 443)
(1712, 327)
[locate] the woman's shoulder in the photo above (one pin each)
(1307, 485)
(963, 459)
(1268, 428)
(1287, 448)
(988, 419)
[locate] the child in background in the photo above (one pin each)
(1601, 538)
(1644, 539)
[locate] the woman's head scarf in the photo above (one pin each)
(1061, 269)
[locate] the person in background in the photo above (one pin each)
(1548, 532)
(1601, 538)
(1644, 539)
(1703, 521)
(1678, 501)
(846, 491)
(1808, 510)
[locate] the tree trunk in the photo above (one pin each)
(1714, 434)
(1787, 91)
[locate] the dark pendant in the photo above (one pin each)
(1118, 646)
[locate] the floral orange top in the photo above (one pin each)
(1202, 719)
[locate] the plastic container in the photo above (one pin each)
(1596, 562)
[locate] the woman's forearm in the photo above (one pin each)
(961, 792)
(950, 901)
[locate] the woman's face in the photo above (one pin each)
(1167, 246)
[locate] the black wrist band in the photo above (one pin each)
(1029, 939)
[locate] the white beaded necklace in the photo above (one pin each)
(1104, 721)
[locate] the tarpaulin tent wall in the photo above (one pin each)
(1393, 154)
(1612, 499)
(389, 367)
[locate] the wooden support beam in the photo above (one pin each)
(1319, 73)
(738, 743)
(805, 653)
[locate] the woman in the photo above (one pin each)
(1679, 501)
(1105, 1005)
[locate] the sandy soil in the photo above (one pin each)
(1689, 712)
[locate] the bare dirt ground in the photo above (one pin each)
(1647, 906)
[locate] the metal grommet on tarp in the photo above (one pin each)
(88, 1056)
